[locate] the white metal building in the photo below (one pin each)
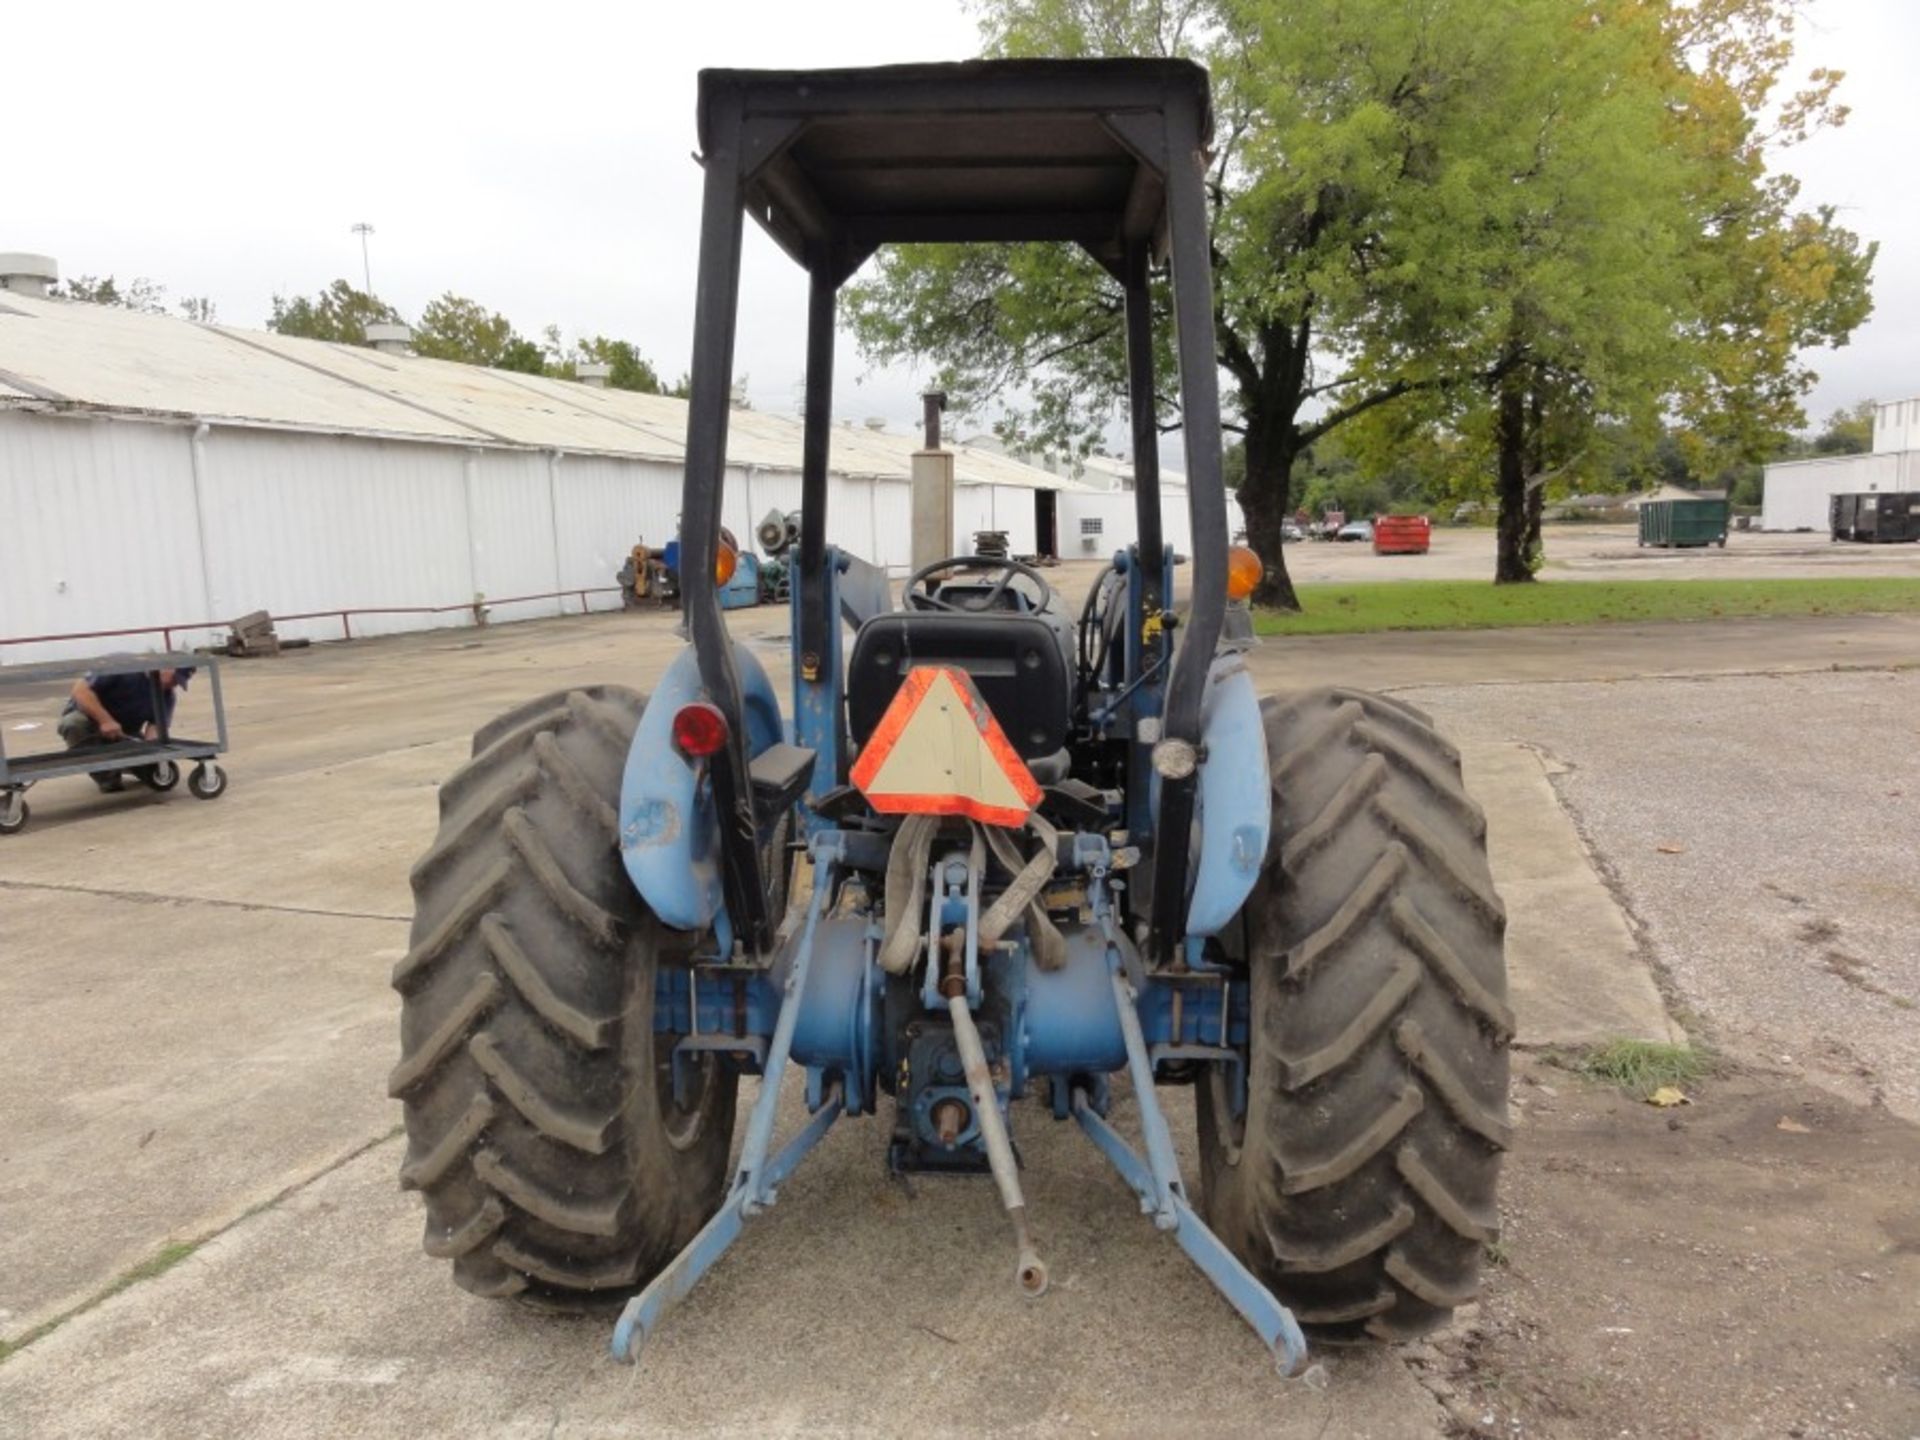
(1095, 509)
(1796, 493)
(154, 471)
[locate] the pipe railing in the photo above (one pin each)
(344, 614)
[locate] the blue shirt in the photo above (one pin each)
(129, 698)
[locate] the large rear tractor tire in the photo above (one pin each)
(541, 1124)
(1359, 1183)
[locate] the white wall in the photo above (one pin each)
(603, 505)
(892, 502)
(995, 507)
(1110, 512)
(1794, 495)
(1114, 511)
(97, 532)
(299, 523)
(1896, 427)
(109, 524)
(510, 531)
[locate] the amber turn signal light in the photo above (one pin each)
(727, 559)
(1243, 572)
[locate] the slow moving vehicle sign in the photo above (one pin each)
(938, 751)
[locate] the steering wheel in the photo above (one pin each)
(1007, 570)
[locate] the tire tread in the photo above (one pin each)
(533, 1110)
(1363, 1190)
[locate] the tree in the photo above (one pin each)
(1772, 281)
(1345, 167)
(1849, 431)
(1507, 222)
(1629, 257)
(140, 294)
(521, 354)
(1723, 286)
(455, 328)
(627, 368)
(339, 312)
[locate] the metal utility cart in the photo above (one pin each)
(156, 762)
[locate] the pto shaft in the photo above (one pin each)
(1032, 1270)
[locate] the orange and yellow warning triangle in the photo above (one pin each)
(939, 751)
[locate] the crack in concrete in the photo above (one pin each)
(1559, 773)
(1680, 1012)
(176, 1251)
(143, 897)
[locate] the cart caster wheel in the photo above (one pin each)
(207, 782)
(14, 813)
(162, 777)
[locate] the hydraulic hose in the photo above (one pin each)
(909, 861)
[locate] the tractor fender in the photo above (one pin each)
(1234, 806)
(669, 833)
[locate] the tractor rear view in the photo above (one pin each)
(1035, 863)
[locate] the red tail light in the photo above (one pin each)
(699, 730)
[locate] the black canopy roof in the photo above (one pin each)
(839, 162)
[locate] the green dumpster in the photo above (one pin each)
(1671, 524)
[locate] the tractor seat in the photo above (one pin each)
(1015, 660)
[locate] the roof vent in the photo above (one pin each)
(876, 423)
(390, 339)
(594, 373)
(25, 274)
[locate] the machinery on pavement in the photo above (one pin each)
(154, 761)
(1031, 856)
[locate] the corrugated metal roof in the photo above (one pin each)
(68, 355)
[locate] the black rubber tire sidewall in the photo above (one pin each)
(557, 1051)
(1368, 1054)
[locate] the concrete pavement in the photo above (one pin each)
(1766, 831)
(849, 1308)
(197, 1021)
(1573, 962)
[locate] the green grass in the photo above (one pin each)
(1641, 1067)
(1479, 605)
(152, 1267)
(170, 1255)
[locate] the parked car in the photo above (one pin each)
(1355, 530)
(1290, 532)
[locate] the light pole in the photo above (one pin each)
(363, 230)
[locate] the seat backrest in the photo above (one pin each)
(1016, 662)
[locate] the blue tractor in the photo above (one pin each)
(1032, 847)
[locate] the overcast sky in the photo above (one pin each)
(537, 158)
